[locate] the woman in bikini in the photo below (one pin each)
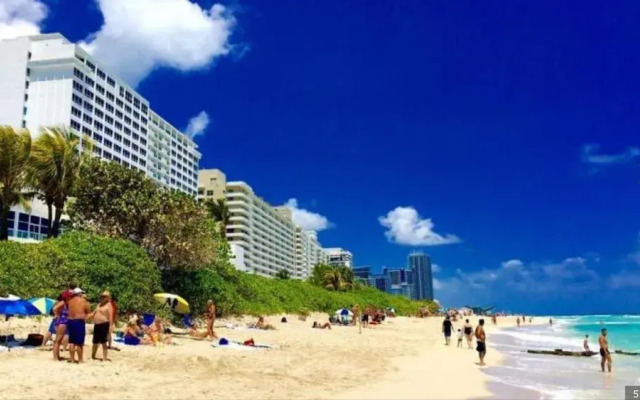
(61, 316)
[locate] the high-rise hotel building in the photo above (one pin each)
(265, 237)
(45, 80)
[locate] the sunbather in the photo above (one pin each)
(262, 325)
(132, 334)
(317, 325)
(156, 333)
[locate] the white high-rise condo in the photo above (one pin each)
(339, 257)
(265, 238)
(45, 80)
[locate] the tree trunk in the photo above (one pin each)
(49, 221)
(4, 223)
(56, 222)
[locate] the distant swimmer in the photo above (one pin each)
(585, 344)
(481, 345)
(604, 350)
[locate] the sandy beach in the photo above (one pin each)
(405, 358)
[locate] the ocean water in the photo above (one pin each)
(531, 376)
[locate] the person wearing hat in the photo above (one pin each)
(102, 320)
(79, 311)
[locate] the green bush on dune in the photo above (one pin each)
(92, 262)
(97, 263)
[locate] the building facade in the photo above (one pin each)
(266, 236)
(339, 257)
(420, 264)
(45, 81)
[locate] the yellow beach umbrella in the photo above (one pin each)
(173, 301)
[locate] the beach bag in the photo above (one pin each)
(283, 320)
(33, 339)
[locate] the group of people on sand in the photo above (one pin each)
(524, 320)
(70, 315)
(467, 331)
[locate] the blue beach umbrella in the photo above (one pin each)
(44, 304)
(344, 311)
(18, 307)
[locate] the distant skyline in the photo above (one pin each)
(499, 138)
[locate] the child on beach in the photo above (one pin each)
(459, 338)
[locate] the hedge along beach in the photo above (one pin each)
(402, 358)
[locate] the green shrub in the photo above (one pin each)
(92, 262)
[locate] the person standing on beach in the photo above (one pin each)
(112, 327)
(211, 318)
(447, 327)
(481, 345)
(103, 318)
(550, 321)
(61, 315)
(79, 310)
(605, 354)
(518, 321)
(585, 344)
(468, 332)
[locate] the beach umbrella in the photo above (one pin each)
(173, 301)
(18, 307)
(10, 297)
(344, 311)
(44, 304)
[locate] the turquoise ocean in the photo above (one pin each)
(530, 376)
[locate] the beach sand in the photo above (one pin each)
(405, 358)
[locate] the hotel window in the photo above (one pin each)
(89, 81)
(75, 125)
(108, 119)
(111, 82)
(101, 74)
(86, 130)
(98, 125)
(76, 112)
(108, 143)
(126, 153)
(135, 136)
(97, 137)
(117, 148)
(109, 108)
(128, 96)
(91, 66)
(119, 114)
(135, 125)
(143, 141)
(77, 73)
(97, 150)
(143, 152)
(88, 106)
(144, 109)
(76, 99)
(98, 113)
(134, 146)
(99, 101)
(110, 96)
(117, 137)
(100, 89)
(143, 163)
(143, 121)
(77, 86)
(127, 131)
(127, 109)
(107, 155)
(88, 94)
(121, 91)
(87, 119)
(118, 126)
(127, 142)
(127, 120)
(119, 103)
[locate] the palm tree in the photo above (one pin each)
(54, 169)
(333, 279)
(219, 211)
(15, 147)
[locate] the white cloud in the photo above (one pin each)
(435, 268)
(308, 220)
(142, 35)
(437, 285)
(591, 156)
(406, 227)
(197, 125)
(21, 18)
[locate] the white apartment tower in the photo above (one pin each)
(45, 80)
(265, 237)
(337, 256)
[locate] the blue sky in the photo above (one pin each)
(501, 138)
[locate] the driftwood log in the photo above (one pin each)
(627, 353)
(560, 352)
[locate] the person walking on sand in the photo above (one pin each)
(481, 345)
(60, 319)
(103, 318)
(468, 333)
(447, 327)
(605, 354)
(585, 344)
(211, 318)
(460, 338)
(79, 310)
(518, 322)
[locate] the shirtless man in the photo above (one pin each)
(481, 337)
(604, 350)
(211, 318)
(79, 311)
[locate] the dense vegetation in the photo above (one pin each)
(130, 236)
